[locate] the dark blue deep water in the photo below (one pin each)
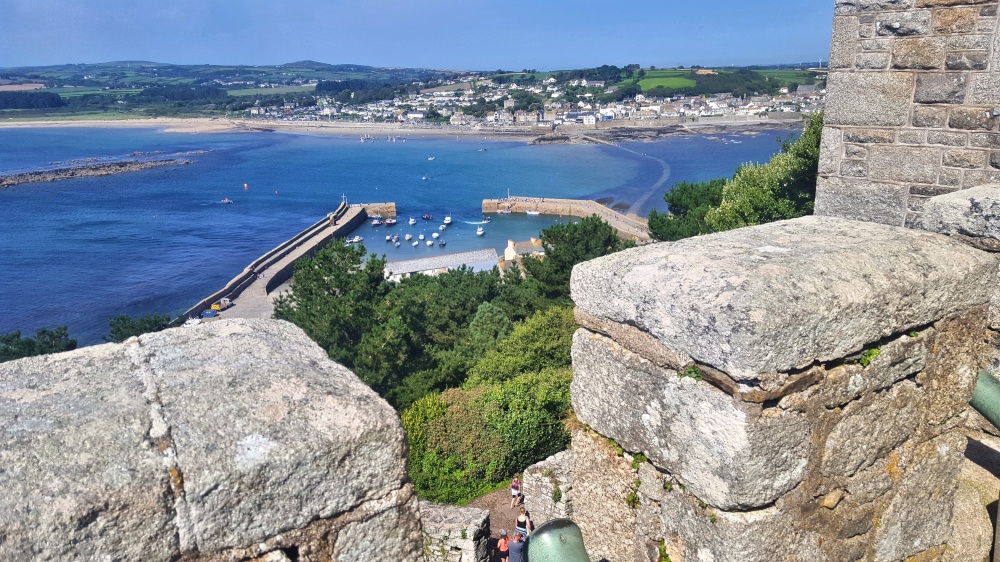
(76, 252)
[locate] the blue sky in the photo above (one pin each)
(452, 34)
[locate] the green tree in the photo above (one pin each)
(333, 298)
(123, 327)
(783, 188)
(13, 346)
(688, 202)
(540, 343)
(567, 245)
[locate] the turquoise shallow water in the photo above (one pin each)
(78, 251)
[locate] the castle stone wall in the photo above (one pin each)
(913, 107)
(777, 392)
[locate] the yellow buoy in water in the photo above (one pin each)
(245, 186)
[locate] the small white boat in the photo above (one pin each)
(388, 237)
(355, 240)
(408, 237)
(435, 235)
(447, 219)
(503, 211)
(421, 237)
(442, 227)
(430, 158)
(415, 243)
(397, 244)
(413, 221)
(480, 231)
(390, 222)
(532, 212)
(430, 242)
(424, 178)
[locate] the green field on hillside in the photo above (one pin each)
(789, 76)
(272, 91)
(666, 82)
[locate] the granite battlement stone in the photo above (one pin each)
(782, 296)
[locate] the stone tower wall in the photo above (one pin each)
(913, 107)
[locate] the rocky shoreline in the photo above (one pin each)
(87, 170)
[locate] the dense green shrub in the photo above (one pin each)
(13, 346)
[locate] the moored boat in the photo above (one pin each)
(415, 243)
(533, 212)
(442, 243)
(435, 235)
(503, 211)
(430, 242)
(390, 222)
(447, 219)
(376, 222)
(421, 237)
(487, 219)
(413, 221)
(480, 231)
(442, 227)
(427, 217)
(409, 237)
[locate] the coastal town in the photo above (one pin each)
(489, 103)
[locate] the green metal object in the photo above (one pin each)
(986, 397)
(559, 540)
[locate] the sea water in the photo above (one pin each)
(76, 252)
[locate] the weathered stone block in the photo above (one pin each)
(937, 3)
(870, 136)
(925, 53)
(947, 138)
(876, 44)
(866, 31)
(912, 220)
(950, 178)
(969, 42)
(886, 421)
(912, 137)
(995, 159)
(855, 6)
(853, 169)
(872, 61)
(987, 11)
(964, 159)
(869, 99)
(731, 299)
(844, 41)
(940, 88)
(972, 118)
(210, 439)
(972, 178)
(972, 212)
(985, 140)
(919, 515)
(986, 25)
(902, 24)
(861, 200)
(930, 116)
(721, 449)
(906, 164)
(831, 142)
(984, 89)
(930, 190)
(855, 151)
(949, 21)
(967, 60)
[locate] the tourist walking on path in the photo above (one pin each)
(516, 548)
(515, 491)
(523, 523)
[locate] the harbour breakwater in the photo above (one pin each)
(87, 170)
(629, 227)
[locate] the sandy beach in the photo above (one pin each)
(377, 130)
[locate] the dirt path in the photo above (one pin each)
(501, 516)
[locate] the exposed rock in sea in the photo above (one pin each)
(88, 170)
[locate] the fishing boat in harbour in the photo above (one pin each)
(487, 219)
(503, 211)
(480, 231)
(421, 237)
(435, 235)
(413, 221)
(390, 222)
(376, 222)
(442, 227)
(533, 212)
(409, 237)
(447, 219)
(430, 242)
(442, 243)
(427, 217)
